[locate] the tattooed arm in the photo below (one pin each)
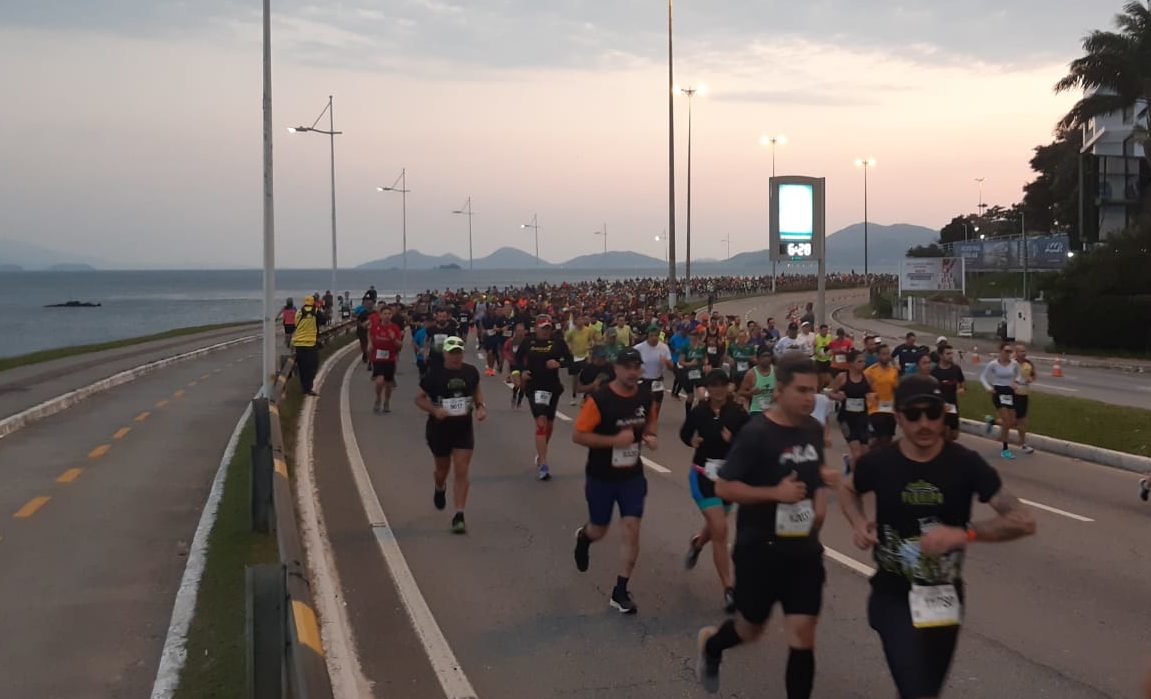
(1012, 520)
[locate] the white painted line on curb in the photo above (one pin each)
(1065, 513)
(175, 651)
(861, 568)
(452, 679)
(563, 417)
(654, 466)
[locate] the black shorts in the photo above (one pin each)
(689, 384)
(823, 367)
(856, 427)
(883, 424)
(603, 496)
(444, 436)
(998, 398)
(764, 576)
(547, 409)
(289, 329)
(1021, 406)
(384, 369)
(656, 396)
(576, 367)
(919, 659)
(493, 343)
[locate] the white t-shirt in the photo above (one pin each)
(785, 344)
(823, 408)
(653, 359)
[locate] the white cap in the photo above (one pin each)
(940, 339)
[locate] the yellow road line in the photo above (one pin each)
(281, 467)
(179, 393)
(161, 403)
(99, 451)
(69, 475)
(307, 630)
(121, 433)
(31, 506)
(142, 416)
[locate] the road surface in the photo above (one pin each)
(1057, 615)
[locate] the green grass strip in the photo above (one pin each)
(61, 352)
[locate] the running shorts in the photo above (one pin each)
(576, 367)
(823, 367)
(494, 343)
(547, 409)
(602, 497)
(1021, 406)
(656, 396)
(703, 491)
(444, 436)
(384, 369)
(855, 426)
(764, 575)
(883, 424)
(688, 384)
(918, 658)
(1000, 392)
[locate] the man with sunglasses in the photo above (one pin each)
(924, 487)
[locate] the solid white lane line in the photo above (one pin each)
(563, 417)
(1065, 513)
(861, 568)
(451, 676)
(654, 466)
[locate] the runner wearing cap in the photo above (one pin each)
(595, 373)
(540, 359)
(806, 338)
(656, 358)
(614, 423)
(450, 394)
(789, 342)
(758, 387)
(710, 429)
(924, 487)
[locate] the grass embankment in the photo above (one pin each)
(61, 352)
(1115, 427)
(216, 667)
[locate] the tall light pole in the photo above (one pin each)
(866, 164)
(671, 300)
(663, 239)
(466, 210)
(773, 141)
(268, 345)
(331, 133)
(535, 226)
(728, 241)
(691, 93)
(981, 206)
(401, 186)
(603, 232)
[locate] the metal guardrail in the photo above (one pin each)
(285, 653)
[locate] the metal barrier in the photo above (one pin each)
(285, 653)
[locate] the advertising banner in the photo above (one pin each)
(931, 274)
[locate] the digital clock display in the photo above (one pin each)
(795, 249)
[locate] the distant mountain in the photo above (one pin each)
(886, 245)
(615, 259)
(416, 260)
(74, 267)
(5, 267)
(32, 257)
(510, 258)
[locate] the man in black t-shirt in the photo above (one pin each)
(596, 373)
(540, 359)
(775, 472)
(951, 384)
(924, 487)
(450, 394)
(443, 328)
(907, 353)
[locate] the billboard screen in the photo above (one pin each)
(931, 274)
(796, 212)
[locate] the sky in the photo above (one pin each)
(132, 128)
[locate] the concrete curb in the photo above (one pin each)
(1074, 450)
(64, 401)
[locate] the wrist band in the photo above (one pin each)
(971, 534)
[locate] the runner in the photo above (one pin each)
(656, 358)
(924, 365)
(450, 394)
(595, 374)
(691, 370)
(614, 424)
(821, 346)
(580, 339)
(952, 384)
(1000, 378)
(540, 359)
(774, 472)
(710, 429)
(882, 377)
(493, 322)
(440, 330)
(420, 341)
(305, 341)
(288, 317)
(851, 389)
(907, 354)
(363, 325)
(387, 340)
(511, 348)
(678, 343)
(789, 342)
(741, 354)
(758, 387)
(839, 348)
(922, 525)
(1027, 376)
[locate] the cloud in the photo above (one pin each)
(814, 98)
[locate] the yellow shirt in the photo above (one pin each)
(1026, 378)
(624, 335)
(580, 341)
(883, 383)
(306, 328)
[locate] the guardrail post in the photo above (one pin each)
(265, 595)
(262, 417)
(263, 467)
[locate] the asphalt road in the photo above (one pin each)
(1057, 615)
(99, 503)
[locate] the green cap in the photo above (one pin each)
(453, 344)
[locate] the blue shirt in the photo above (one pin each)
(677, 344)
(420, 336)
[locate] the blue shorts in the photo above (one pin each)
(602, 497)
(703, 491)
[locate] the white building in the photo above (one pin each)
(1111, 170)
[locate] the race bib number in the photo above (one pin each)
(712, 350)
(841, 359)
(855, 405)
(794, 519)
(439, 339)
(1007, 400)
(457, 407)
(656, 386)
(694, 374)
(952, 408)
(580, 359)
(491, 331)
(383, 355)
(741, 366)
(542, 397)
(886, 406)
(934, 606)
(711, 468)
(625, 457)
(764, 403)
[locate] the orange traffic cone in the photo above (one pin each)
(975, 355)
(1057, 368)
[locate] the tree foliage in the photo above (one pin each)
(932, 250)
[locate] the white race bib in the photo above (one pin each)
(711, 468)
(712, 350)
(855, 405)
(491, 331)
(438, 339)
(741, 366)
(886, 406)
(580, 359)
(1007, 400)
(694, 374)
(764, 403)
(657, 386)
(457, 407)
(542, 397)
(794, 519)
(383, 355)
(934, 605)
(952, 408)
(841, 359)
(625, 457)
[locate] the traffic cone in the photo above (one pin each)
(1057, 368)
(975, 355)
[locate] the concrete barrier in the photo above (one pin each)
(1074, 450)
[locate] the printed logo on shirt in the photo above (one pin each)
(922, 493)
(799, 455)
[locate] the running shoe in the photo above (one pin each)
(1007, 454)
(622, 602)
(988, 424)
(542, 471)
(706, 667)
(387, 408)
(376, 407)
(458, 525)
(693, 550)
(729, 601)
(573, 401)
(1026, 449)
(846, 464)
(582, 549)
(440, 499)
(1144, 489)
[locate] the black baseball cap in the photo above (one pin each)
(716, 377)
(629, 356)
(917, 389)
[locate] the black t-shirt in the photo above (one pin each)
(763, 454)
(613, 413)
(904, 355)
(591, 372)
(709, 425)
(436, 335)
(910, 495)
(533, 356)
(950, 379)
(443, 384)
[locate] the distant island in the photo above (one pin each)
(450, 266)
(70, 267)
(5, 267)
(73, 304)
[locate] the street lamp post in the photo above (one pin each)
(268, 345)
(663, 239)
(980, 206)
(331, 133)
(691, 93)
(401, 186)
(728, 241)
(603, 232)
(671, 296)
(466, 210)
(773, 141)
(866, 164)
(535, 226)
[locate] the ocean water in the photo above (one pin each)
(144, 302)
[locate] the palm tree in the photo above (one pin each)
(1116, 72)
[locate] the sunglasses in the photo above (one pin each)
(933, 411)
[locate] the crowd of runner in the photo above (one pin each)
(760, 401)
